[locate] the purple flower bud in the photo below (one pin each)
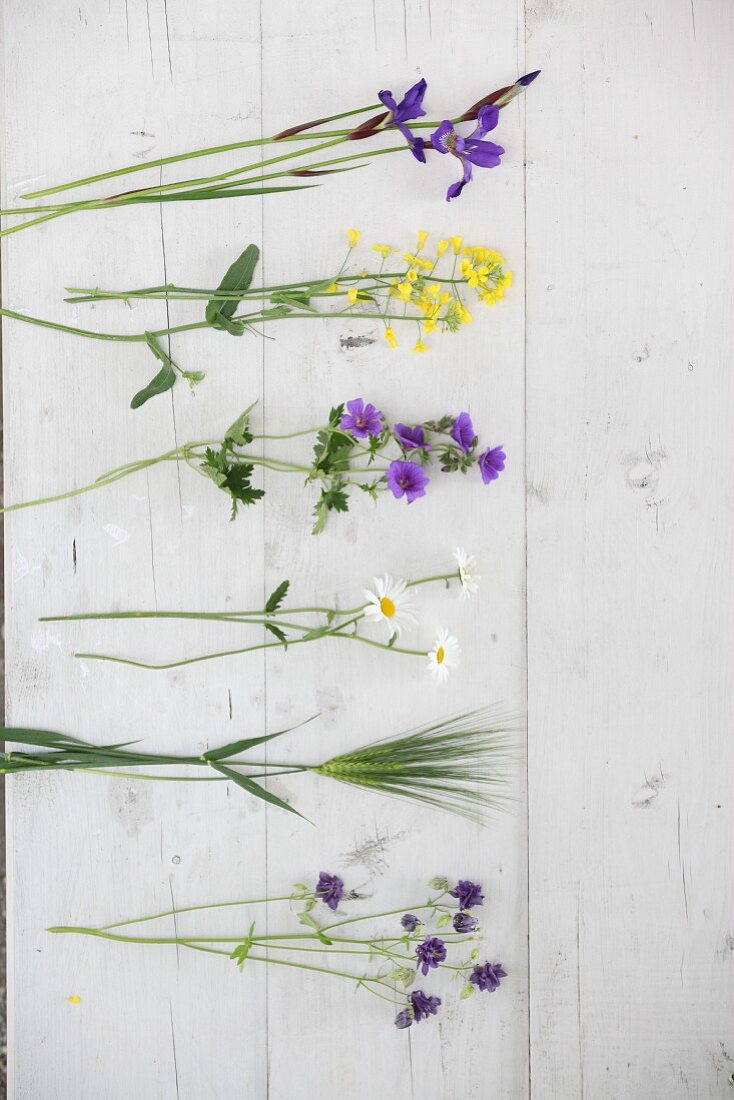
(411, 439)
(464, 923)
(487, 977)
(404, 1019)
(467, 893)
(330, 889)
(410, 922)
(430, 954)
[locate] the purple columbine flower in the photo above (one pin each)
(469, 150)
(464, 922)
(410, 922)
(487, 978)
(411, 439)
(468, 894)
(423, 1005)
(430, 953)
(406, 479)
(463, 432)
(330, 889)
(361, 420)
(491, 464)
(420, 1007)
(409, 107)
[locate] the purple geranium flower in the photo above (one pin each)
(411, 439)
(430, 953)
(464, 922)
(406, 479)
(488, 977)
(330, 889)
(410, 106)
(410, 922)
(469, 150)
(420, 1007)
(491, 464)
(463, 432)
(468, 894)
(361, 420)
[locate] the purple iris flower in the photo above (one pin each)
(406, 479)
(463, 432)
(464, 922)
(430, 953)
(410, 106)
(468, 894)
(410, 922)
(411, 439)
(330, 889)
(361, 420)
(491, 464)
(469, 150)
(488, 977)
(420, 1007)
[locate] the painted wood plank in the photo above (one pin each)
(629, 549)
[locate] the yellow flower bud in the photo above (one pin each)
(383, 249)
(353, 236)
(441, 248)
(333, 289)
(456, 244)
(422, 238)
(420, 346)
(352, 295)
(391, 338)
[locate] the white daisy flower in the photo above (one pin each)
(468, 575)
(444, 656)
(389, 604)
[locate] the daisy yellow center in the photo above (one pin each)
(440, 654)
(387, 607)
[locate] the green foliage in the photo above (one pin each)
(219, 311)
(163, 380)
(232, 475)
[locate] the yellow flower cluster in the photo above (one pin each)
(436, 298)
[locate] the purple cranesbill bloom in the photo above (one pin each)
(469, 150)
(464, 922)
(491, 464)
(423, 1005)
(411, 439)
(410, 922)
(468, 894)
(463, 432)
(330, 889)
(487, 978)
(361, 420)
(409, 107)
(430, 953)
(406, 479)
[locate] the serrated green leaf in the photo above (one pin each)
(278, 633)
(236, 281)
(238, 432)
(276, 597)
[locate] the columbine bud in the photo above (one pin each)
(439, 883)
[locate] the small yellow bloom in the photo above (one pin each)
(352, 295)
(411, 275)
(445, 297)
(420, 346)
(353, 236)
(489, 298)
(433, 289)
(456, 244)
(75, 999)
(405, 291)
(383, 249)
(391, 337)
(506, 279)
(429, 324)
(441, 248)
(463, 314)
(422, 238)
(333, 289)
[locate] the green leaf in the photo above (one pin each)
(238, 432)
(235, 747)
(255, 789)
(241, 952)
(275, 630)
(296, 298)
(237, 484)
(163, 381)
(276, 597)
(307, 919)
(236, 281)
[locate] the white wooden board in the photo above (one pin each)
(607, 374)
